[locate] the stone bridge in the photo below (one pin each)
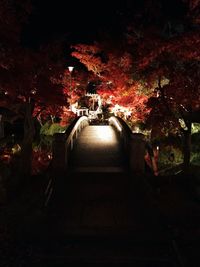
(98, 209)
(99, 148)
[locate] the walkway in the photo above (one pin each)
(101, 219)
(99, 213)
(98, 149)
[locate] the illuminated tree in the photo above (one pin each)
(158, 61)
(112, 71)
(170, 64)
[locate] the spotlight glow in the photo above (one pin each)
(105, 133)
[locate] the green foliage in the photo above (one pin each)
(45, 128)
(195, 139)
(52, 128)
(169, 156)
(168, 140)
(195, 149)
(195, 158)
(45, 142)
(195, 128)
(56, 128)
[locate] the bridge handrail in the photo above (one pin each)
(120, 124)
(123, 129)
(61, 143)
(75, 126)
(133, 143)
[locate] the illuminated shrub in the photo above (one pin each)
(51, 129)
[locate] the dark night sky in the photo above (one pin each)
(80, 21)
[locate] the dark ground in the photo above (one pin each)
(138, 222)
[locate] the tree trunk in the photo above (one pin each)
(26, 153)
(1, 126)
(187, 147)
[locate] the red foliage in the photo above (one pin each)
(114, 71)
(181, 48)
(67, 117)
(172, 57)
(193, 10)
(90, 56)
(40, 161)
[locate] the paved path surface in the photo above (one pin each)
(108, 204)
(100, 214)
(98, 148)
(103, 219)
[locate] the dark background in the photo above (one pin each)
(77, 21)
(84, 21)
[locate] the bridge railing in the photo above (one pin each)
(62, 145)
(64, 142)
(123, 130)
(133, 144)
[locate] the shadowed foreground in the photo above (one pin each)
(99, 214)
(100, 218)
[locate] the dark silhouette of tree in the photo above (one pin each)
(30, 81)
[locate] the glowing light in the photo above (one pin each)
(104, 133)
(33, 92)
(183, 125)
(109, 82)
(195, 127)
(70, 68)
(137, 130)
(6, 158)
(16, 149)
(120, 109)
(49, 156)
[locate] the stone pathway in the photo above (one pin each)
(98, 148)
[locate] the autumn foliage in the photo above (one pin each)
(112, 71)
(154, 70)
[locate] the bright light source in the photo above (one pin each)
(33, 92)
(49, 156)
(70, 68)
(105, 133)
(109, 82)
(16, 149)
(137, 129)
